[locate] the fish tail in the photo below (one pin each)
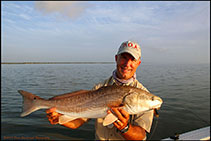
(31, 103)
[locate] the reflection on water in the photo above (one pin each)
(184, 89)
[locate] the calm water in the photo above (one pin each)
(185, 90)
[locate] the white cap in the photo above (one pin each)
(131, 48)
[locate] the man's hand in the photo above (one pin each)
(53, 116)
(122, 116)
(134, 132)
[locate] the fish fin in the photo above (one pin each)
(30, 103)
(109, 119)
(64, 119)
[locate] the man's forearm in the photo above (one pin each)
(75, 123)
(134, 133)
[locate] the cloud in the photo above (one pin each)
(71, 9)
(163, 29)
(25, 17)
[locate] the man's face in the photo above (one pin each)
(126, 65)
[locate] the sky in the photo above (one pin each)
(92, 31)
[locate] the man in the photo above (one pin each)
(127, 127)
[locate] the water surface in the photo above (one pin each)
(185, 90)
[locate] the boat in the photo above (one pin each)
(198, 134)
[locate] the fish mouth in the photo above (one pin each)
(159, 99)
(157, 102)
(157, 107)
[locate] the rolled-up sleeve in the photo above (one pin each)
(144, 120)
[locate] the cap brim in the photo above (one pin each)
(136, 56)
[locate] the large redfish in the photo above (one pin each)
(93, 103)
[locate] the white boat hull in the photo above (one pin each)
(199, 134)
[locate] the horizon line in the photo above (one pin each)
(75, 62)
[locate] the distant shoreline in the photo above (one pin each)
(57, 62)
